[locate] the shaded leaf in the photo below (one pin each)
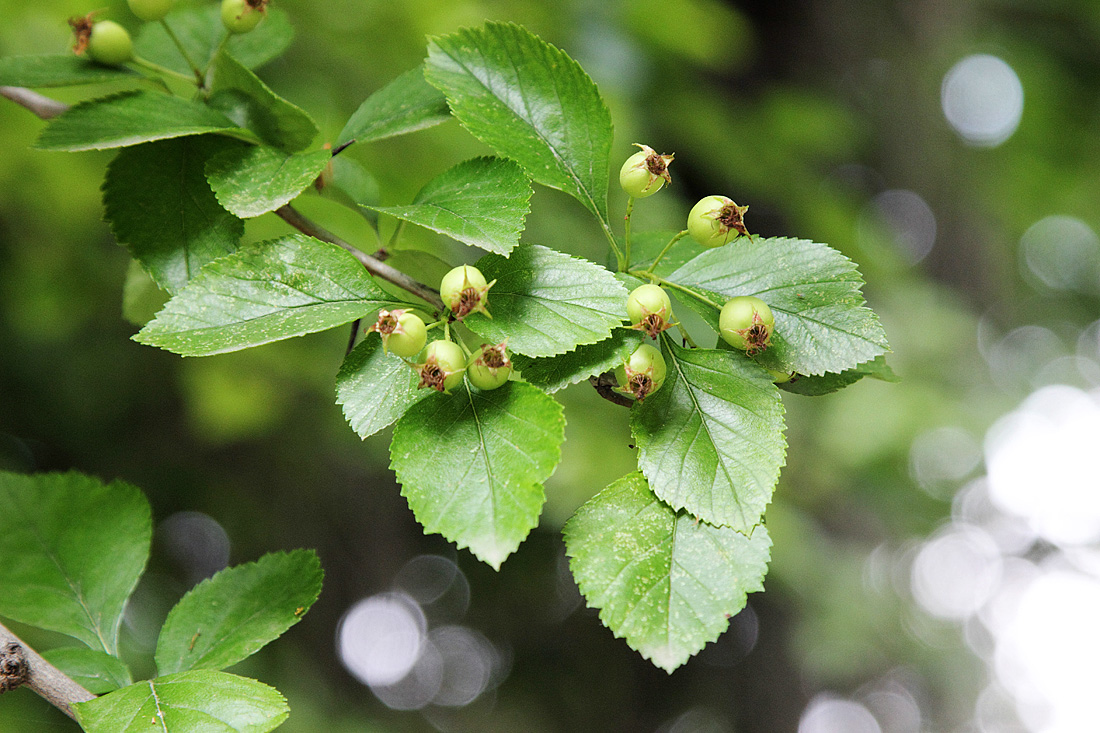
(348, 182)
(255, 179)
(546, 303)
(481, 202)
(233, 614)
(645, 246)
(245, 99)
(211, 702)
(828, 383)
(71, 553)
(711, 439)
(265, 292)
(58, 70)
(141, 298)
(376, 388)
(663, 581)
(161, 208)
(472, 463)
(529, 102)
(557, 372)
(406, 104)
(200, 30)
(96, 671)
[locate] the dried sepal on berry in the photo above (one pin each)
(649, 309)
(489, 367)
(443, 366)
(716, 220)
(464, 291)
(642, 373)
(746, 323)
(645, 172)
(402, 332)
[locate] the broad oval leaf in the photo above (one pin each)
(200, 700)
(407, 104)
(557, 372)
(246, 100)
(132, 118)
(71, 553)
(161, 208)
(822, 323)
(58, 70)
(711, 439)
(233, 614)
(546, 303)
(255, 179)
(481, 202)
(201, 31)
(376, 388)
(663, 581)
(96, 671)
(530, 102)
(472, 463)
(348, 182)
(265, 292)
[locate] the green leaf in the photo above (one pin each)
(189, 702)
(232, 615)
(557, 372)
(472, 463)
(57, 70)
(664, 582)
(97, 672)
(828, 383)
(406, 104)
(645, 246)
(711, 439)
(822, 323)
(376, 388)
(131, 118)
(530, 102)
(546, 303)
(255, 179)
(351, 184)
(481, 202)
(265, 292)
(71, 552)
(161, 208)
(200, 30)
(141, 298)
(250, 103)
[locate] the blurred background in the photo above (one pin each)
(936, 564)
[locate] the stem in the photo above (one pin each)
(626, 219)
(43, 107)
(398, 230)
(605, 384)
(374, 266)
(183, 51)
(664, 251)
(351, 338)
(688, 341)
(675, 286)
(45, 679)
(622, 264)
(157, 68)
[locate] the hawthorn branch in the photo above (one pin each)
(22, 666)
(605, 384)
(42, 106)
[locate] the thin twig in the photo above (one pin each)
(48, 681)
(605, 384)
(42, 106)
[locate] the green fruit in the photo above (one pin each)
(649, 309)
(151, 10)
(642, 373)
(403, 333)
(780, 377)
(645, 172)
(443, 365)
(110, 43)
(464, 291)
(489, 367)
(241, 16)
(746, 323)
(716, 220)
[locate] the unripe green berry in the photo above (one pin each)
(403, 333)
(443, 365)
(716, 220)
(464, 291)
(241, 16)
(780, 377)
(645, 172)
(642, 373)
(110, 43)
(649, 309)
(489, 367)
(151, 10)
(746, 323)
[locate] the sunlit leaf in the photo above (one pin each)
(406, 104)
(255, 179)
(376, 388)
(245, 99)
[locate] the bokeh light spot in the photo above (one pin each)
(982, 99)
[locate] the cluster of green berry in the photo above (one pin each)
(464, 291)
(107, 42)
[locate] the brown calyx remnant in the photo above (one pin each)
(431, 375)
(82, 30)
(387, 322)
(260, 5)
(639, 384)
(653, 323)
(495, 357)
(757, 337)
(732, 216)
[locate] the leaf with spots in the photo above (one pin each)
(250, 180)
(376, 388)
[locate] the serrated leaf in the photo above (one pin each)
(351, 184)
(71, 553)
(710, 440)
(161, 208)
(530, 102)
(233, 614)
(265, 292)
(646, 246)
(546, 303)
(201, 30)
(211, 702)
(481, 202)
(828, 383)
(406, 104)
(822, 323)
(57, 70)
(663, 581)
(255, 179)
(557, 372)
(245, 99)
(132, 118)
(96, 671)
(376, 388)
(472, 463)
